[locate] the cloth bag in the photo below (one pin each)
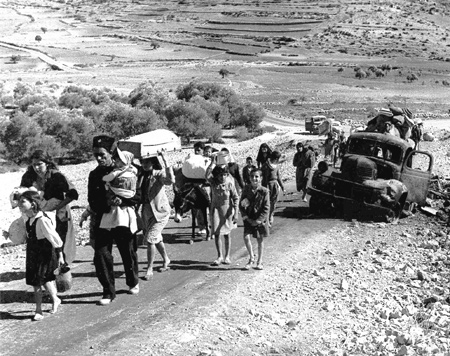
(63, 278)
(194, 167)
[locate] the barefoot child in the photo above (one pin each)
(44, 251)
(224, 209)
(255, 208)
(155, 208)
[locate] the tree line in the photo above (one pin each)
(64, 126)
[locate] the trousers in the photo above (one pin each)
(104, 260)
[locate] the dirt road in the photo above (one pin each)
(81, 327)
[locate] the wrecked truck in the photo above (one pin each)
(379, 177)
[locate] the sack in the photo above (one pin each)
(194, 167)
(18, 232)
(63, 278)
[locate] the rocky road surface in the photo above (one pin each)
(329, 287)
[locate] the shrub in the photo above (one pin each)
(121, 120)
(16, 58)
(20, 90)
(224, 72)
(188, 120)
(149, 95)
(17, 136)
(360, 74)
(411, 77)
(242, 134)
(73, 100)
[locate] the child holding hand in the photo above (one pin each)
(255, 209)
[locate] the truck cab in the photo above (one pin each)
(379, 174)
(312, 123)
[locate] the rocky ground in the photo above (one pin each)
(360, 288)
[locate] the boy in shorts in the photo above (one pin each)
(255, 207)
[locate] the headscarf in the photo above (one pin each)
(260, 158)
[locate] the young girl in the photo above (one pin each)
(271, 179)
(224, 209)
(44, 251)
(255, 208)
(120, 183)
(155, 208)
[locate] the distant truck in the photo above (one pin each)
(312, 123)
(380, 176)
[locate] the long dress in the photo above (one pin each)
(271, 180)
(224, 202)
(42, 244)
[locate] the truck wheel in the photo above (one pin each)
(390, 217)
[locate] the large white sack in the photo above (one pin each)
(194, 167)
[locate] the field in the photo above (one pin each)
(275, 51)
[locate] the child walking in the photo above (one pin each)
(224, 209)
(120, 183)
(249, 166)
(44, 251)
(271, 180)
(155, 208)
(255, 208)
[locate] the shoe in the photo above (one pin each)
(202, 232)
(164, 269)
(259, 267)
(38, 317)
(105, 301)
(217, 262)
(134, 290)
(148, 276)
(227, 261)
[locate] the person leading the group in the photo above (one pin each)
(57, 193)
(155, 208)
(44, 251)
(255, 208)
(102, 239)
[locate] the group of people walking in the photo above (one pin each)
(117, 190)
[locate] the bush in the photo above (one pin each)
(411, 77)
(188, 120)
(149, 95)
(242, 134)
